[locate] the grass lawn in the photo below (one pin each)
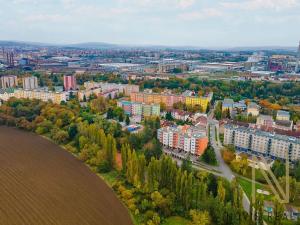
(247, 187)
(175, 220)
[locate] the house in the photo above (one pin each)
(227, 105)
(264, 120)
(180, 115)
(253, 109)
(283, 115)
(201, 121)
(284, 125)
(240, 105)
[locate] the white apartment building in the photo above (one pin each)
(262, 143)
(9, 81)
(30, 83)
(127, 89)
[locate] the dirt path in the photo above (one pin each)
(41, 184)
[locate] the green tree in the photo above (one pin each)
(199, 218)
(127, 121)
(278, 213)
(278, 168)
(209, 156)
(110, 151)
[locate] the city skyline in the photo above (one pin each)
(224, 23)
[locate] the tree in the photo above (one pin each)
(209, 156)
(109, 114)
(127, 121)
(187, 165)
(72, 131)
(297, 170)
(124, 156)
(110, 151)
(278, 212)
(259, 211)
(278, 169)
(84, 98)
(121, 118)
(294, 187)
(200, 218)
(59, 136)
(169, 116)
(221, 191)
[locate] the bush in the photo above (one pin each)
(104, 167)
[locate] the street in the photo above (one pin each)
(223, 167)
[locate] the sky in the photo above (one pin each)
(201, 23)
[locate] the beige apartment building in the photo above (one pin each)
(261, 143)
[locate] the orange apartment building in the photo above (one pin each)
(186, 138)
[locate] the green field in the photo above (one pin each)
(247, 187)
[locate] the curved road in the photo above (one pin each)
(223, 167)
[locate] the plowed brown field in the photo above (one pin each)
(41, 184)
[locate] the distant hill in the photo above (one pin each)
(94, 45)
(103, 45)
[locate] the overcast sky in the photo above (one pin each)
(203, 23)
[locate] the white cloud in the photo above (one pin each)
(181, 4)
(201, 15)
(52, 18)
(260, 4)
(186, 3)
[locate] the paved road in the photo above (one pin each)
(223, 167)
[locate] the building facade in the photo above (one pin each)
(126, 89)
(9, 81)
(70, 82)
(253, 109)
(283, 115)
(55, 97)
(140, 109)
(185, 138)
(169, 99)
(30, 83)
(262, 143)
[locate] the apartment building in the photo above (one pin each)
(186, 138)
(55, 97)
(30, 83)
(201, 101)
(9, 81)
(127, 89)
(86, 94)
(140, 109)
(262, 143)
(169, 99)
(70, 82)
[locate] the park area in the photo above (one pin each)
(40, 183)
